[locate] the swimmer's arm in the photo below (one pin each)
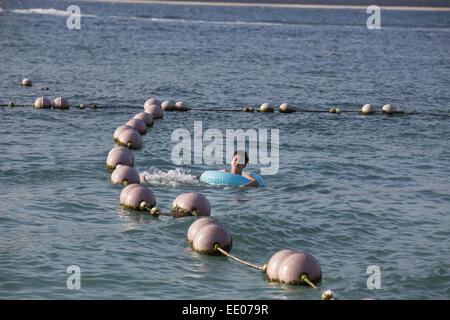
(225, 170)
(253, 182)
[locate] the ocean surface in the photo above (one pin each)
(354, 191)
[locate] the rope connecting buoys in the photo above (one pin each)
(26, 82)
(146, 117)
(138, 125)
(125, 175)
(190, 204)
(130, 137)
(119, 155)
(206, 233)
(42, 102)
(61, 103)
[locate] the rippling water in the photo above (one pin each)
(351, 190)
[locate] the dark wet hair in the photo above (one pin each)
(240, 153)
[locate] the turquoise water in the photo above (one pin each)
(351, 190)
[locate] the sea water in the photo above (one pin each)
(354, 191)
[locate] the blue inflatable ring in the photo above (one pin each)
(229, 179)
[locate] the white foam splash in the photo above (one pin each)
(173, 178)
(50, 11)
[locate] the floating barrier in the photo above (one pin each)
(119, 155)
(207, 235)
(229, 179)
(123, 174)
(42, 102)
(138, 125)
(190, 204)
(61, 103)
(146, 117)
(246, 109)
(130, 137)
(26, 82)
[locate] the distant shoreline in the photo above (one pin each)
(275, 5)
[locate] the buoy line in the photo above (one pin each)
(245, 109)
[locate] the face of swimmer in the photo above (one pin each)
(239, 162)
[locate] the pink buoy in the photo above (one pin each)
(274, 263)
(155, 110)
(181, 106)
(61, 103)
(125, 175)
(368, 109)
(127, 189)
(168, 105)
(119, 130)
(211, 234)
(287, 266)
(137, 197)
(151, 101)
(388, 108)
(138, 125)
(266, 107)
(189, 204)
(197, 225)
(119, 155)
(130, 138)
(146, 117)
(286, 108)
(26, 83)
(42, 102)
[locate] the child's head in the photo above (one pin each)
(240, 159)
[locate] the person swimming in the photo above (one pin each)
(238, 163)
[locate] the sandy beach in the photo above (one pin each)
(276, 5)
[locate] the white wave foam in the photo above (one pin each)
(188, 21)
(173, 178)
(50, 11)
